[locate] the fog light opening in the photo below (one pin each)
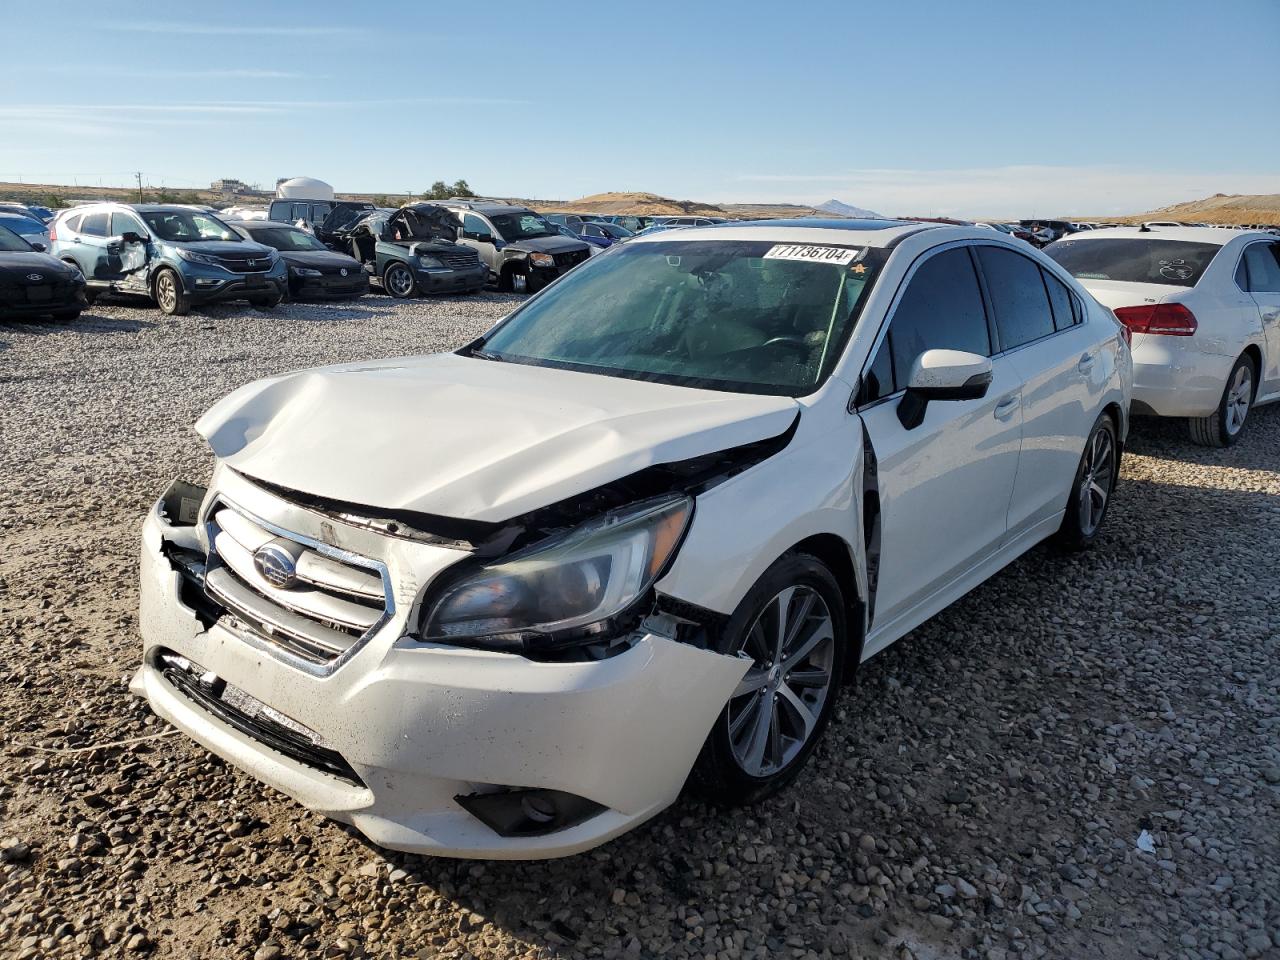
(529, 813)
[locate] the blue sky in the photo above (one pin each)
(903, 106)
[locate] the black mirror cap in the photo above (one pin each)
(38, 247)
(130, 237)
(915, 402)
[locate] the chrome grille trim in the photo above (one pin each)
(315, 627)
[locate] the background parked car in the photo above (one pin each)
(413, 251)
(315, 271)
(32, 283)
(36, 212)
(595, 244)
(176, 255)
(1203, 306)
(29, 228)
(522, 249)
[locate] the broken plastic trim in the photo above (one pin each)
(528, 813)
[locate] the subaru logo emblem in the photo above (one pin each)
(276, 565)
(35, 276)
(343, 271)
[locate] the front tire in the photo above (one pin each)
(169, 294)
(1091, 492)
(792, 626)
(1223, 427)
(398, 281)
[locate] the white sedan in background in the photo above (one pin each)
(1203, 305)
(506, 602)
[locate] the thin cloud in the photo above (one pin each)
(222, 30)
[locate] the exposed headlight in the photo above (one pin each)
(565, 591)
(305, 272)
(192, 257)
(430, 263)
(542, 260)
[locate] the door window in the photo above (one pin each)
(1263, 267)
(1018, 296)
(476, 228)
(941, 309)
(94, 225)
(122, 223)
(1061, 300)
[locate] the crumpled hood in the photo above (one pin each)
(471, 439)
(553, 245)
(324, 260)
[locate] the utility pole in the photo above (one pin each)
(139, 176)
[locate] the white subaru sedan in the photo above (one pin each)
(507, 601)
(1203, 305)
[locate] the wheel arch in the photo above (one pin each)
(1119, 420)
(837, 555)
(1254, 353)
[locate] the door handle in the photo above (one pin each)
(1086, 363)
(1004, 409)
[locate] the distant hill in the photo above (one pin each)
(1220, 208)
(842, 209)
(652, 205)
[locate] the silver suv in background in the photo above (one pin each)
(522, 249)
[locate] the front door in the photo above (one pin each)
(477, 233)
(945, 485)
(126, 260)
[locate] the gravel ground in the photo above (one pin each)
(1078, 759)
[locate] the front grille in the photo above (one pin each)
(461, 261)
(307, 599)
(259, 264)
(574, 257)
(250, 716)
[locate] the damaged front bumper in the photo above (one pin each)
(422, 747)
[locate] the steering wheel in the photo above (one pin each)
(791, 342)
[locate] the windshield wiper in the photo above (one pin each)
(485, 355)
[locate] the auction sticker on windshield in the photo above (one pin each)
(813, 254)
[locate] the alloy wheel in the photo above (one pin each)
(1239, 396)
(166, 292)
(400, 281)
(775, 709)
(1096, 481)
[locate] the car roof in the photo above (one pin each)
(869, 233)
(482, 206)
(1216, 235)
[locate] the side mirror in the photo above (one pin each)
(943, 375)
(130, 237)
(38, 247)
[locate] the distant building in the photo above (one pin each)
(229, 186)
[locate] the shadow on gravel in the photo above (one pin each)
(1167, 439)
(86, 323)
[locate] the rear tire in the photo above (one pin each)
(792, 626)
(398, 281)
(1091, 492)
(169, 295)
(1223, 427)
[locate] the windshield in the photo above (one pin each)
(522, 226)
(615, 231)
(1174, 263)
(10, 242)
(741, 316)
(286, 239)
(187, 226)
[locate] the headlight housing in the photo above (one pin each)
(305, 272)
(430, 263)
(192, 257)
(566, 591)
(542, 260)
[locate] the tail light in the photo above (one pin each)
(53, 229)
(1164, 319)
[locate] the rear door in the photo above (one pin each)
(945, 485)
(1039, 328)
(91, 245)
(1261, 263)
